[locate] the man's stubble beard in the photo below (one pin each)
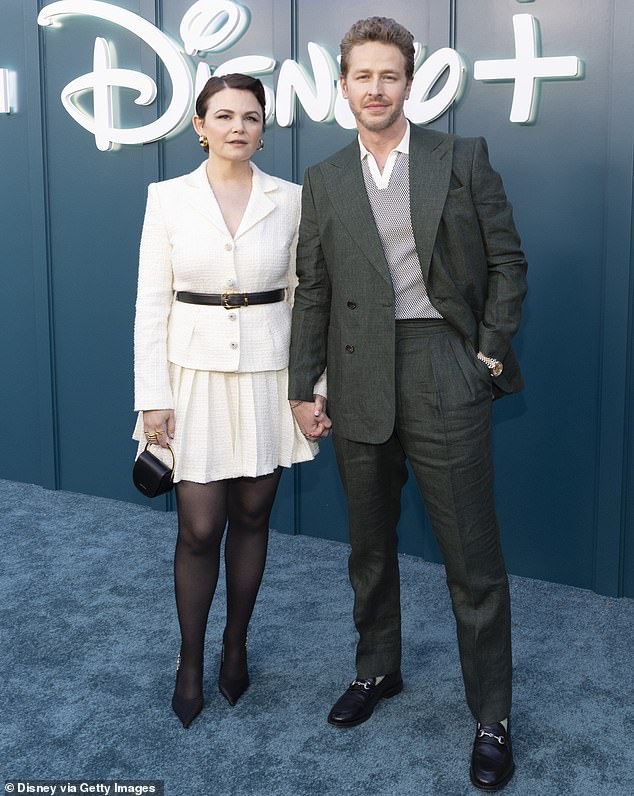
(379, 124)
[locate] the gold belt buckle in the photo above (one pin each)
(225, 300)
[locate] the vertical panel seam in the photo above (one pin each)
(160, 83)
(43, 268)
(599, 390)
(294, 12)
(49, 261)
(603, 500)
(627, 421)
(161, 158)
(602, 314)
(453, 38)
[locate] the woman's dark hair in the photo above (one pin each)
(235, 80)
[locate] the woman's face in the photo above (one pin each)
(232, 124)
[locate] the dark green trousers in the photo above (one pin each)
(443, 425)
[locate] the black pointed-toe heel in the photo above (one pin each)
(232, 688)
(186, 709)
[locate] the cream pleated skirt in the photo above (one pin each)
(230, 425)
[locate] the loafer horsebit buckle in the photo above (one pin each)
(365, 684)
(499, 738)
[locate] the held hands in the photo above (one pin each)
(311, 417)
(158, 425)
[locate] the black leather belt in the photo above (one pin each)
(230, 299)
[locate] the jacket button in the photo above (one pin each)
(350, 348)
(232, 316)
(351, 305)
(233, 345)
(228, 247)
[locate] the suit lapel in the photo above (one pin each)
(430, 164)
(430, 161)
(344, 182)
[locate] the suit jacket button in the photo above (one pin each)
(351, 305)
(350, 348)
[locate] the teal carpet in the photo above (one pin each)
(89, 640)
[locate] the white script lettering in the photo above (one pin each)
(177, 68)
(213, 26)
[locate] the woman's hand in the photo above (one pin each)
(311, 418)
(158, 425)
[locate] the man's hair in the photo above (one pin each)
(381, 29)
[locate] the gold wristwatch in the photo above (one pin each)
(494, 365)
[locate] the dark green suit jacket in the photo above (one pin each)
(343, 317)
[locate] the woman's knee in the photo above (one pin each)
(249, 519)
(201, 537)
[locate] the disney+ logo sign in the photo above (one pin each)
(214, 26)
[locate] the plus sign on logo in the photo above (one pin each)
(527, 68)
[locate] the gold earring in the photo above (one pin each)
(202, 140)
(260, 144)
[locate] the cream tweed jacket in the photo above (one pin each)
(185, 245)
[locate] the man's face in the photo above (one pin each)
(375, 86)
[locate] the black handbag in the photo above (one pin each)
(151, 476)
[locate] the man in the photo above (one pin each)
(411, 280)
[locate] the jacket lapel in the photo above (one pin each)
(430, 161)
(344, 182)
(260, 202)
(202, 199)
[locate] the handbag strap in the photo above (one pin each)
(170, 450)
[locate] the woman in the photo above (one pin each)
(212, 329)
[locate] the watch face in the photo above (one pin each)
(497, 369)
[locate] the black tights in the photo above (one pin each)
(203, 512)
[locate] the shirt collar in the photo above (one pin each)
(402, 146)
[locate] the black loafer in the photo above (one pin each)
(357, 703)
(492, 763)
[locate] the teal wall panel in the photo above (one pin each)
(18, 396)
(615, 488)
(70, 219)
(554, 172)
(96, 201)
